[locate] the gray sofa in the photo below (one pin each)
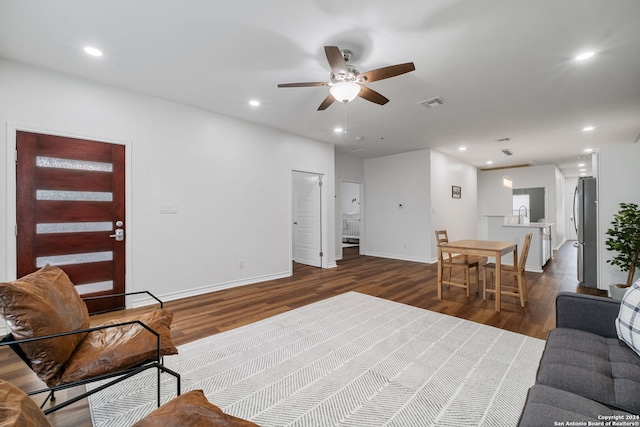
(586, 373)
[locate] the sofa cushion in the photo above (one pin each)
(43, 303)
(548, 406)
(191, 409)
(602, 369)
(108, 350)
(19, 410)
(628, 321)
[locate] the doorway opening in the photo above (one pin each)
(350, 218)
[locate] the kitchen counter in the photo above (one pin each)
(531, 225)
(541, 247)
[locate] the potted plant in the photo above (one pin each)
(624, 239)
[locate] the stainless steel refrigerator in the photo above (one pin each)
(586, 222)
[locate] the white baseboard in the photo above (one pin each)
(398, 257)
(172, 296)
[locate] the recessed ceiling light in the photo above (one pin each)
(588, 129)
(584, 55)
(489, 162)
(583, 170)
(580, 165)
(588, 150)
(462, 148)
(254, 103)
(583, 174)
(93, 51)
(338, 130)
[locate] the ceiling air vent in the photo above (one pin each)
(507, 152)
(503, 139)
(433, 102)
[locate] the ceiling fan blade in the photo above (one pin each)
(308, 84)
(372, 95)
(326, 103)
(336, 60)
(386, 72)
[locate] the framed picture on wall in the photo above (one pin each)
(456, 192)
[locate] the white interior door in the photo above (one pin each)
(307, 229)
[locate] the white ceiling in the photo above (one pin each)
(505, 67)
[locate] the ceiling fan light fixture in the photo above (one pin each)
(345, 91)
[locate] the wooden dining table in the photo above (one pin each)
(479, 248)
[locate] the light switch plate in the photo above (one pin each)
(168, 208)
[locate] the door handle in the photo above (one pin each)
(119, 236)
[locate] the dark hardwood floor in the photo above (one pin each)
(401, 281)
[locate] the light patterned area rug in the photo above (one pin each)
(351, 360)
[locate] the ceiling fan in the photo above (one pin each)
(346, 82)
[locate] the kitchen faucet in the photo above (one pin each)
(520, 215)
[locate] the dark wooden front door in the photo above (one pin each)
(70, 203)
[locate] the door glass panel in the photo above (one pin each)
(52, 162)
(74, 258)
(73, 227)
(75, 196)
(90, 288)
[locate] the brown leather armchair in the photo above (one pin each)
(50, 331)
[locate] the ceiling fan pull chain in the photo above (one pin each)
(345, 122)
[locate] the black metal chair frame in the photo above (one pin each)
(121, 375)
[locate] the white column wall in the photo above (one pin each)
(393, 231)
(421, 181)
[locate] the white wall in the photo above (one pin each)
(570, 184)
(421, 181)
(393, 231)
(494, 199)
(230, 179)
(619, 179)
(561, 206)
(348, 169)
(457, 216)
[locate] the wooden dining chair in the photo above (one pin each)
(519, 286)
(450, 262)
